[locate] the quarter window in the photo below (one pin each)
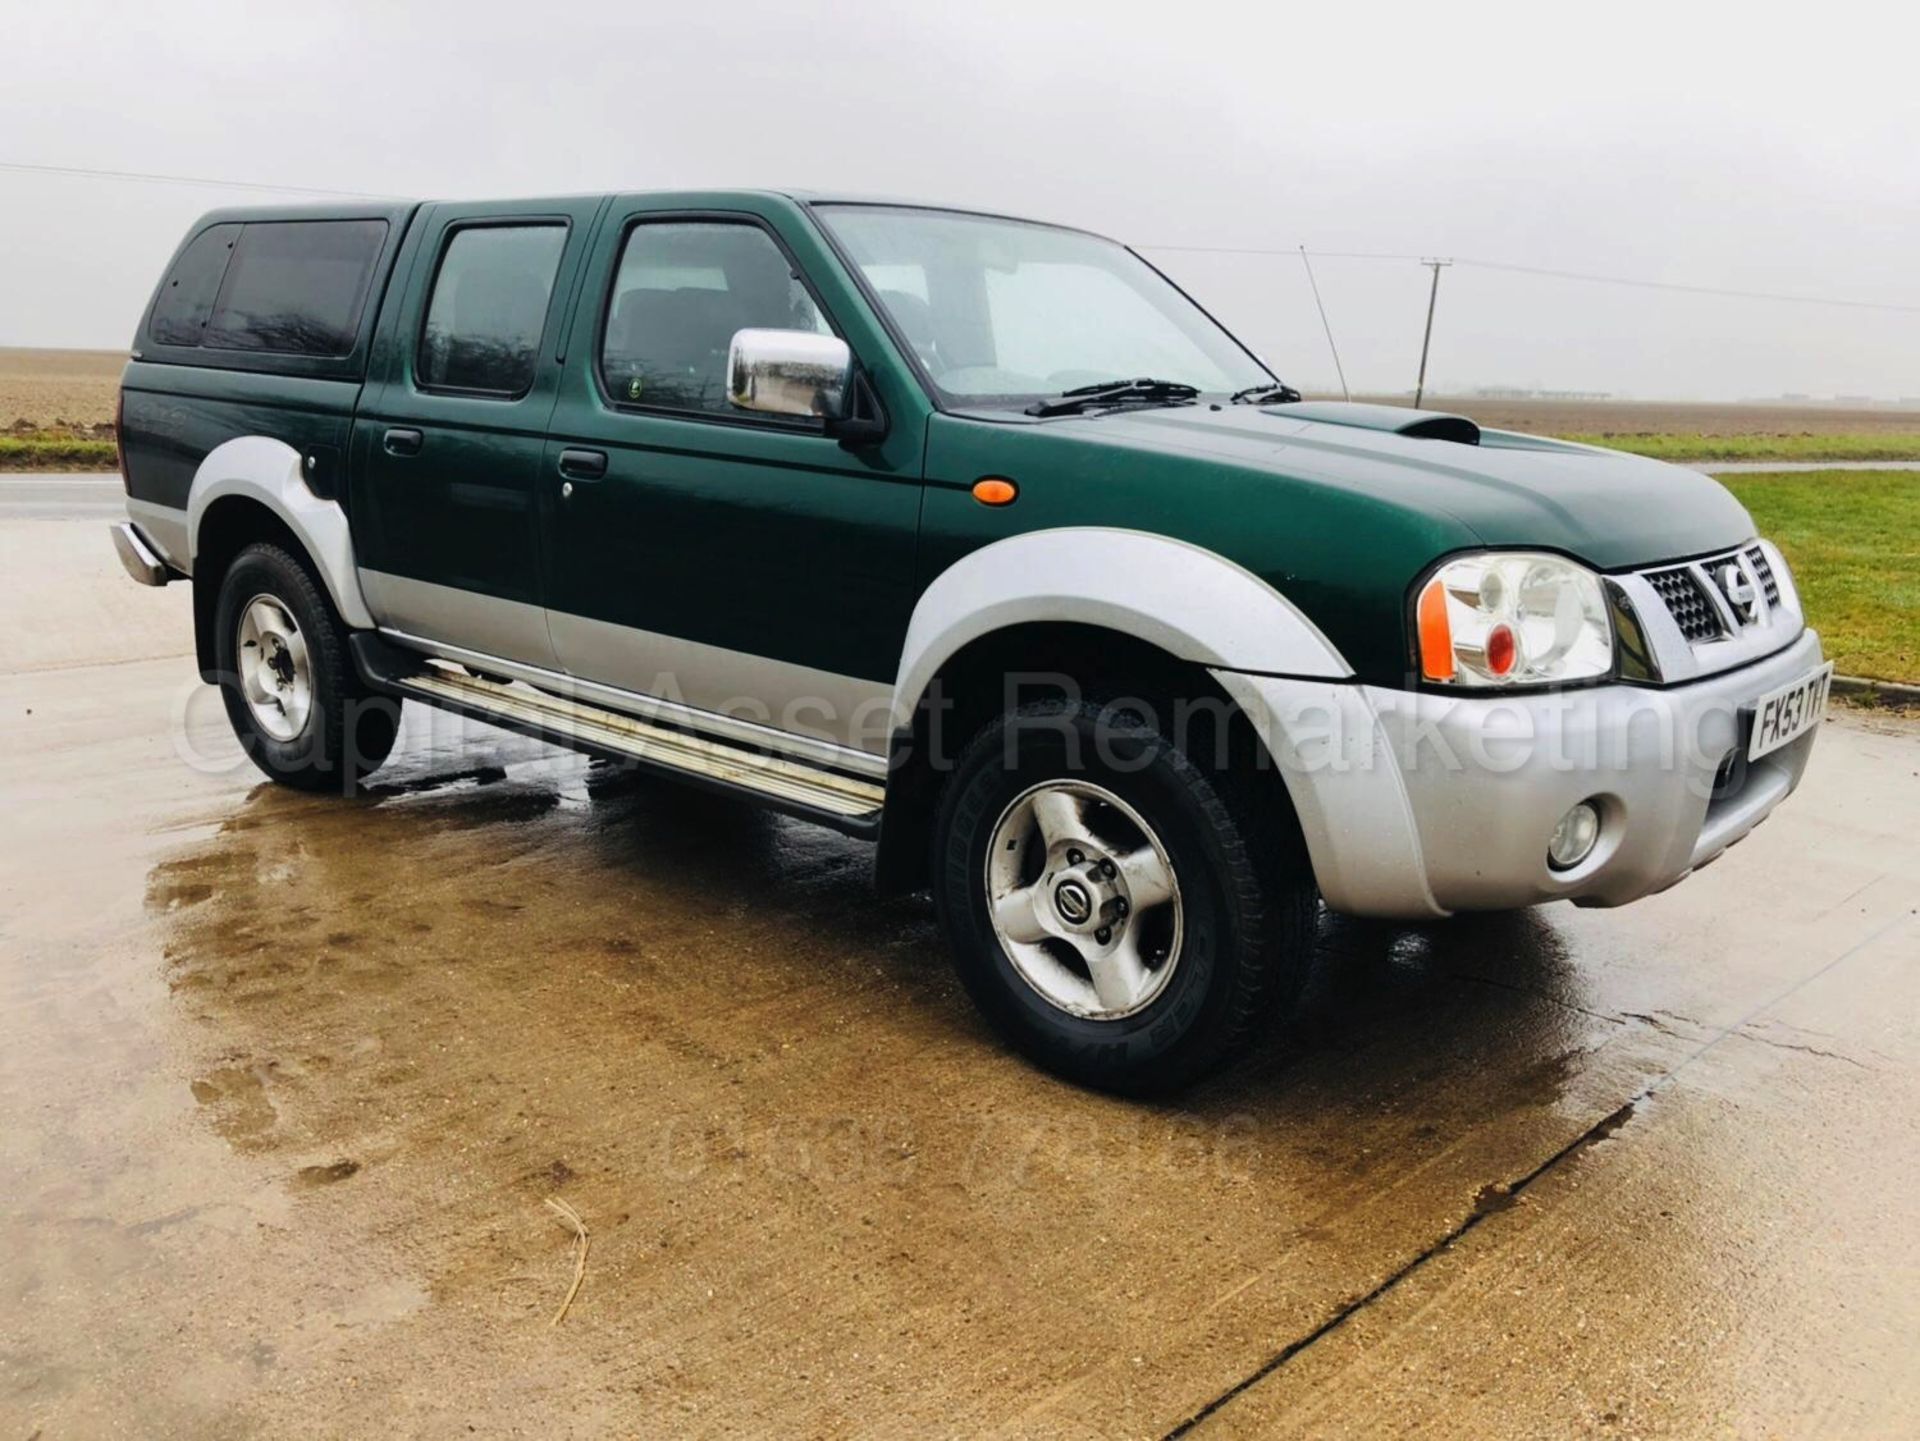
(489, 308)
(181, 311)
(683, 288)
(296, 287)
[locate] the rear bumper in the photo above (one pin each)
(141, 559)
(1417, 804)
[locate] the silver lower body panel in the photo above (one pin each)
(1417, 804)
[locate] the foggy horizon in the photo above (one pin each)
(1657, 146)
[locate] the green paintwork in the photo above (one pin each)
(764, 537)
(777, 540)
(174, 414)
(1396, 419)
(1340, 519)
(461, 511)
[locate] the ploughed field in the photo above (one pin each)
(56, 409)
(1676, 417)
(58, 389)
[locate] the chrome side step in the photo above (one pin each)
(849, 802)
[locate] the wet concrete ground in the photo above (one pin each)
(287, 1081)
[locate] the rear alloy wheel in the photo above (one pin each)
(276, 676)
(298, 708)
(1121, 915)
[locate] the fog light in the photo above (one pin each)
(1573, 838)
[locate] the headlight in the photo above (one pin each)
(1512, 618)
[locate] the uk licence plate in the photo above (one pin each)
(1782, 715)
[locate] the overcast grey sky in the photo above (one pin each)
(1746, 147)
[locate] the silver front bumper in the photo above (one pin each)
(136, 555)
(1416, 804)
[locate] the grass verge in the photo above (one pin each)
(37, 452)
(1675, 446)
(1853, 540)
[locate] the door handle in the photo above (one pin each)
(402, 442)
(583, 464)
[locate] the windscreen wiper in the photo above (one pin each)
(1276, 393)
(1116, 392)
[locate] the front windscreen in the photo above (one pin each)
(1001, 312)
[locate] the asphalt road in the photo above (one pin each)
(62, 497)
(288, 1081)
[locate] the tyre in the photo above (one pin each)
(1121, 915)
(297, 705)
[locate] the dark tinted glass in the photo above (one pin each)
(186, 300)
(682, 290)
(297, 287)
(488, 308)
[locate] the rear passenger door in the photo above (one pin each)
(448, 440)
(730, 562)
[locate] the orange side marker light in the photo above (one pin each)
(1436, 633)
(992, 490)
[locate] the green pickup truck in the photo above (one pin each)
(973, 536)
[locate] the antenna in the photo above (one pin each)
(1433, 298)
(1338, 369)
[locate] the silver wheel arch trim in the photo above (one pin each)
(268, 471)
(1269, 657)
(1190, 602)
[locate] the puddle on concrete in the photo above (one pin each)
(303, 1089)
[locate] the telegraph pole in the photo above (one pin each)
(1426, 341)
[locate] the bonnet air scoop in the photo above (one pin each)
(1396, 419)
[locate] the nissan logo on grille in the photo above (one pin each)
(1741, 593)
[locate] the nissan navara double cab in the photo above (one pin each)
(972, 536)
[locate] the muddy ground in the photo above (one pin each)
(287, 1082)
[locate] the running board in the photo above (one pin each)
(847, 803)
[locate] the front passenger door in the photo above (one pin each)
(732, 562)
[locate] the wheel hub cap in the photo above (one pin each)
(1083, 900)
(1070, 898)
(276, 677)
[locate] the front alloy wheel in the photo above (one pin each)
(1121, 913)
(1083, 897)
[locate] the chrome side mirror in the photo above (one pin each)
(789, 372)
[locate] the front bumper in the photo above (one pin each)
(1417, 804)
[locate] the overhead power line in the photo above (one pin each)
(1541, 270)
(156, 179)
(264, 187)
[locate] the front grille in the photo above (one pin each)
(1692, 611)
(1765, 571)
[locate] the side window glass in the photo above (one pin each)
(489, 307)
(682, 289)
(296, 287)
(185, 303)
